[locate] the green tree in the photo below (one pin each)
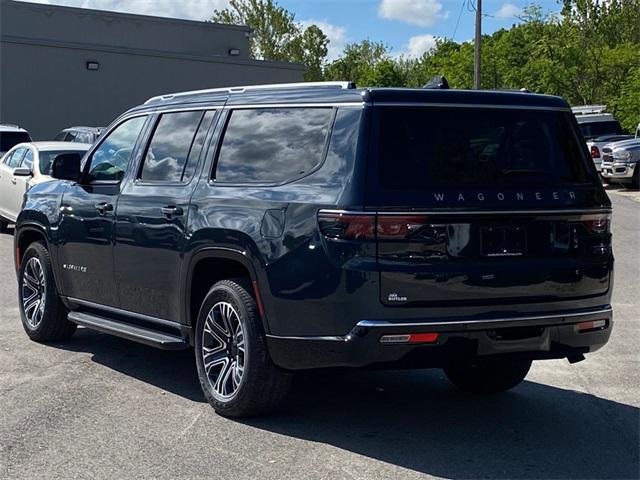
(357, 62)
(276, 34)
(626, 105)
(310, 49)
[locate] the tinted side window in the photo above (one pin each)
(27, 160)
(8, 140)
(110, 160)
(170, 145)
(272, 145)
(15, 159)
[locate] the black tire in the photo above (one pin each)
(635, 182)
(50, 323)
(262, 386)
(488, 375)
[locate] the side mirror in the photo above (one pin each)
(66, 166)
(22, 172)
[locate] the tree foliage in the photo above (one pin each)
(588, 53)
(276, 35)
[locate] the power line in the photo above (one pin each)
(455, 30)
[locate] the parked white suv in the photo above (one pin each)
(11, 135)
(25, 165)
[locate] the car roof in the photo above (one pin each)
(47, 146)
(345, 92)
(83, 129)
(599, 117)
(4, 127)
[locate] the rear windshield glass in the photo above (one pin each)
(436, 147)
(10, 139)
(596, 129)
(47, 158)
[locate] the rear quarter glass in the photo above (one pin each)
(479, 158)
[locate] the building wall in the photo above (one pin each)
(45, 85)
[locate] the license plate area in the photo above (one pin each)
(503, 241)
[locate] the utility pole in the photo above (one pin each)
(477, 45)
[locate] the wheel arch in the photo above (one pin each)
(25, 234)
(209, 265)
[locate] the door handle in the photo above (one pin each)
(172, 211)
(104, 207)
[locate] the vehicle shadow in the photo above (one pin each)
(173, 371)
(417, 420)
(9, 232)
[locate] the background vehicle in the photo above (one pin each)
(282, 228)
(79, 134)
(594, 122)
(621, 162)
(596, 144)
(25, 165)
(11, 135)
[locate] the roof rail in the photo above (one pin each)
(589, 109)
(341, 85)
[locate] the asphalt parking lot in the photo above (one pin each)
(102, 407)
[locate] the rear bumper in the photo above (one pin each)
(535, 337)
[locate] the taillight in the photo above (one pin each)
(347, 226)
(595, 152)
(596, 223)
(369, 226)
(399, 227)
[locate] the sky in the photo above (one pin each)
(408, 27)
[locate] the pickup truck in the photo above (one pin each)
(596, 144)
(620, 161)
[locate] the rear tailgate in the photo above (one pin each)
(485, 206)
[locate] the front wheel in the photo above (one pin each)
(236, 373)
(488, 375)
(44, 318)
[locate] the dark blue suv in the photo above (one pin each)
(289, 227)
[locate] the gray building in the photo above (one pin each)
(62, 66)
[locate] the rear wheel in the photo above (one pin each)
(488, 375)
(44, 317)
(235, 370)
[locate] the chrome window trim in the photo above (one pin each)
(245, 106)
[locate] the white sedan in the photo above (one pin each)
(25, 165)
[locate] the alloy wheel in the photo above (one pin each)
(34, 291)
(223, 350)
